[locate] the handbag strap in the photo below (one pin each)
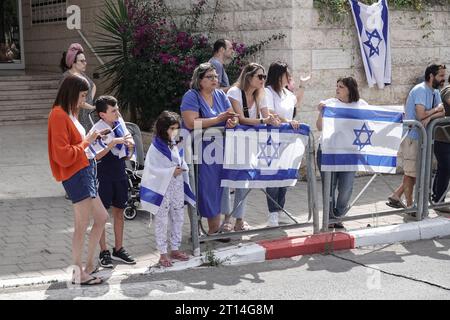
(244, 104)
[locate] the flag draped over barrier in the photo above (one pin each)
(360, 137)
(259, 157)
(372, 24)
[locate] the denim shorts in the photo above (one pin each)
(83, 184)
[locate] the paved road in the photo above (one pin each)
(417, 270)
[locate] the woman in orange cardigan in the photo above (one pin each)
(69, 163)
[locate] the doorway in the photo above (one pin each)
(11, 35)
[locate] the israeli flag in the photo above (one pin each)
(118, 130)
(372, 24)
(160, 164)
(263, 156)
(360, 137)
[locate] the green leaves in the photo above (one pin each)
(335, 11)
(150, 60)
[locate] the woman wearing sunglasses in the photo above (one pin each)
(205, 106)
(247, 97)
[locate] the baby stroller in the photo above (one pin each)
(133, 170)
(134, 173)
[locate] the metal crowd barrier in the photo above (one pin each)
(431, 131)
(418, 205)
(198, 234)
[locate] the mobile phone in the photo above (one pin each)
(103, 133)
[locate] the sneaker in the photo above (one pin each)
(105, 259)
(122, 255)
(273, 219)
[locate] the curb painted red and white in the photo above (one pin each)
(326, 242)
(286, 247)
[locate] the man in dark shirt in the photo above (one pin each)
(442, 153)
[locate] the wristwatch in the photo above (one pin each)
(261, 121)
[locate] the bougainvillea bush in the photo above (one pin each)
(150, 59)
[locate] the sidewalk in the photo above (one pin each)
(36, 222)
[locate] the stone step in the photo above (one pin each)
(29, 106)
(38, 77)
(27, 95)
(8, 103)
(26, 99)
(41, 85)
(23, 117)
(16, 122)
(34, 110)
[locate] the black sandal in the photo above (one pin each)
(394, 203)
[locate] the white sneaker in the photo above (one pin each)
(273, 219)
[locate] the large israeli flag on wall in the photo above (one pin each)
(372, 24)
(360, 137)
(263, 156)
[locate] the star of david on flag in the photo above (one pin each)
(269, 150)
(372, 25)
(360, 137)
(358, 141)
(263, 156)
(373, 45)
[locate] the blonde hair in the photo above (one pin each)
(243, 82)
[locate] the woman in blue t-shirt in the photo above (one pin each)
(205, 106)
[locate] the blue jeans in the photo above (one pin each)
(238, 196)
(442, 178)
(343, 182)
(277, 194)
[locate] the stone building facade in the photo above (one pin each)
(327, 51)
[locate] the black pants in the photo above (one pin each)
(442, 153)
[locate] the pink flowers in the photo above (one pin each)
(188, 65)
(239, 48)
(167, 58)
(184, 41)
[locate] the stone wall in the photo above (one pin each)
(330, 51)
(326, 51)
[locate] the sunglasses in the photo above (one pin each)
(261, 76)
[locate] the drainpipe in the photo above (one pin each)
(90, 47)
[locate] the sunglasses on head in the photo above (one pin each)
(261, 76)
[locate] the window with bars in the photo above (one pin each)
(48, 11)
